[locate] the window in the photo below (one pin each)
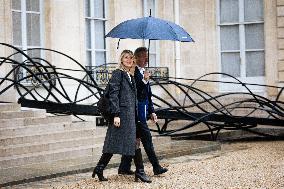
(27, 26)
(154, 45)
(241, 25)
(95, 32)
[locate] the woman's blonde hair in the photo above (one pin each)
(121, 66)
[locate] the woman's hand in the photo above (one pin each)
(116, 121)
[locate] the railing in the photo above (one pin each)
(102, 74)
(29, 79)
(68, 91)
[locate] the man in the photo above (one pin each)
(145, 107)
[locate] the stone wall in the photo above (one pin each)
(6, 37)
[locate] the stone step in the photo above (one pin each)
(14, 131)
(34, 120)
(23, 114)
(49, 146)
(87, 163)
(10, 107)
(48, 156)
(48, 136)
(60, 167)
(10, 150)
(177, 148)
(37, 153)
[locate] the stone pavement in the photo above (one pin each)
(247, 164)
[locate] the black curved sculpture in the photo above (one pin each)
(186, 109)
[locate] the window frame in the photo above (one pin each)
(227, 87)
(24, 37)
(241, 26)
(146, 43)
(92, 19)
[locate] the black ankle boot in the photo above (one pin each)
(105, 158)
(139, 173)
(99, 171)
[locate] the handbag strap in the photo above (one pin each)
(107, 87)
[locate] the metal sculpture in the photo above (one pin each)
(181, 101)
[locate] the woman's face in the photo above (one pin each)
(127, 60)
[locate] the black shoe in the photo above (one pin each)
(128, 172)
(140, 174)
(159, 170)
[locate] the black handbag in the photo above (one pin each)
(103, 104)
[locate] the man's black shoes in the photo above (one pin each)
(159, 170)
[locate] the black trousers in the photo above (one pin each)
(144, 133)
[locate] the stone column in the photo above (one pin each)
(280, 43)
(280, 35)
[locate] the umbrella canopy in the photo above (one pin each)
(150, 28)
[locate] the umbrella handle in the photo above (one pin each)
(118, 43)
(149, 52)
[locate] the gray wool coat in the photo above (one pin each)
(123, 102)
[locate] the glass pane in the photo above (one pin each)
(88, 33)
(18, 57)
(230, 38)
(254, 36)
(17, 29)
(231, 64)
(18, 74)
(229, 11)
(152, 61)
(33, 29)
(100, 58)
(99, 8)
(32, 5)
(34, 54)
(151, 5)
(152, 46)
(16, 4)
(254, 64)
(87, 8)
(253, 10)
(99, 34)
(89, 59)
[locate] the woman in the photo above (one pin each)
(121, 134)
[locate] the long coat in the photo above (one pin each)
(123, 103)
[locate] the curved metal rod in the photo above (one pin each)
(66, 77)
(46, 49)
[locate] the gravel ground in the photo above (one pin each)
(237, 165)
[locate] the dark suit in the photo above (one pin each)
(145, 107)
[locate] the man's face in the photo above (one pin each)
(142, 59)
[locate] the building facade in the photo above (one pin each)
(244, 38)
